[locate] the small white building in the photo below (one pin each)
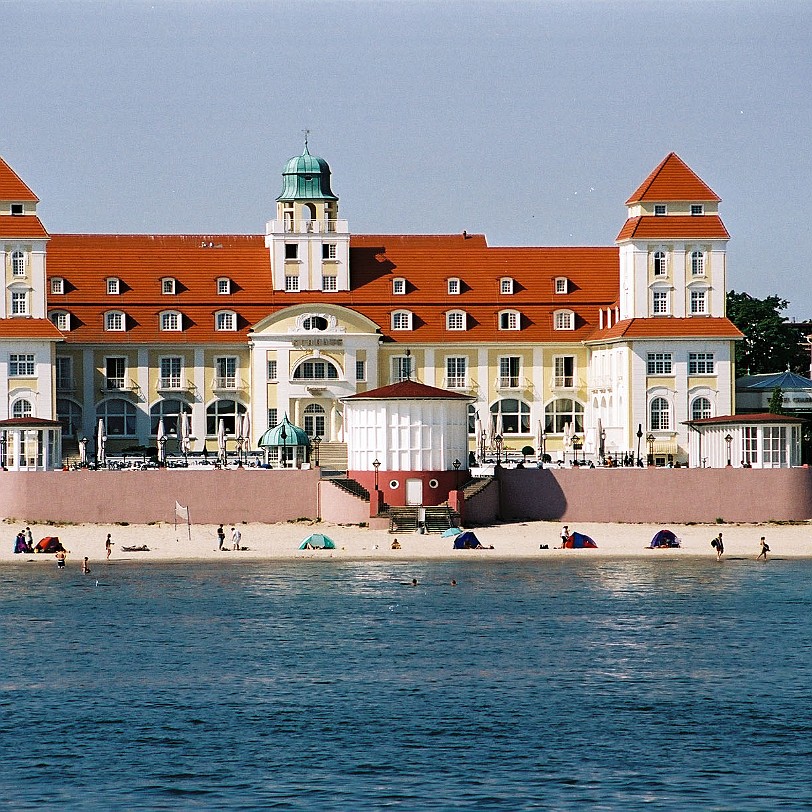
(760, 440)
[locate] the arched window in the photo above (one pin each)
(171, 320)
(69, 414)
(660, 267)
(18, 263)
(563, 320)
(118, 416)
(660, 415)
(509, 320)
(472, 413)
(170, 410)
(402, 320)
(315, 323)
(316, 370)
(700, 409)
(114, 320)
(455, 320)
(514, 414)
(559, 412)
(228, 411)
(21, 408)
(697, 263)
(225, 320)
(314, 420)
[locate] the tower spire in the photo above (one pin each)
(306, 136)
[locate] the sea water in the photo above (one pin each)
(562, 684)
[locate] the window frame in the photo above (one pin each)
(698, 412)
(399, 286)
(660, 302)
(291, 283)
(272, 370)
(456, 372)
(170, 321)
(57, 286)
(660, 263)
(18, 264)
(329, 283)
(360, 369)
(456, 320)
(659, 419)
(401, 320)
(55, 316)
(113, 286)
(660, 209)
(698, 302)
(220, 319)
(660, 363)
(453, 286)
(562, 284)
(19, 303)
(329, 251)
(16, 359)
(506, 286)
(697, 209)
(168, 286)
(111, 318)
(402, 367)
(223, 286)
(509, 320)
(697, 262)
(291, 251)
(701, 363)
(22, 408)
(127, 417)
(564, 320)
(562, 379)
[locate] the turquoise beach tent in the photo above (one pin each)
(317, 541)
(452, 531)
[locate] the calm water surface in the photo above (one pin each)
(570, 684)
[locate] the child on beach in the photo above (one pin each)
(764, 549)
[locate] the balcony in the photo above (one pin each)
(174, 384)
(459, 383)
(123, 386)
(228, 383)
(65, 385)
(566, 382)
(308, 227)
(504, 382)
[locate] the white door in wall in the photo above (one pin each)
(414, 491)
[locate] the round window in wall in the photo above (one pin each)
(433, 483)
(394, 484)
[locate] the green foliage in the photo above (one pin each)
(776, 401)
(769, 344)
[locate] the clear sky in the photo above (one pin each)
(531, 122)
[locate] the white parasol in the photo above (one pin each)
(185, 433)
(83, 451)
(161, 445)
(221, 441)
(478, 435)
(100, 438)
(601, 440)
(246, 432)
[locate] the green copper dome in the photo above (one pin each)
(306, 177)
(293, 435)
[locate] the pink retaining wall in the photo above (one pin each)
(658, 495)
(336, 505)
(139, 497)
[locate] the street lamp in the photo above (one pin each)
(240, 440)
(603, 446)
(543, 445)
(376, 464)
(728, 440)
(497, 441)
(162, 457)
(284, 435)
(316, 444)
(482, 447)
(639, 437)
(456, 465)
(3, 442)
(650, 441)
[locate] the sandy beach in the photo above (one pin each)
(509, 541)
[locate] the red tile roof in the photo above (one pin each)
(21, 226)
(12, 188)
(668, 327)
(409, 390)
(744, 419)
(28, 328)
(28, 422)
(425, 261)
(673, 180)
(704, 227)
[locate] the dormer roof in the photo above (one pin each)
(673, 181)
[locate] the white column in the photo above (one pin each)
(88, 393)
(199, 405)
(142, 426)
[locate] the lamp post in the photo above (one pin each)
(543, 446)
(240, 441)
(728, 440)
(603, 446)
(284, 435)
(316, 444)
(456, 465)
(497, 441)
(482, 448)
(650, 441)
(376, 464)
(162, 456)
(639, 437)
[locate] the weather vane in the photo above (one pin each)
(306, 134)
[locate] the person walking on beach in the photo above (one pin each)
(565, 534)
(29, 540)
(221, 537)
(236, 537)
(718, 544)
(108, 548)
(764, 549)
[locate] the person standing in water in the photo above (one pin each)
(85, 566)
(108, 548)
(764, 549)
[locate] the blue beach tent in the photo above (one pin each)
(317, 541)
(467, 541)
(579, 541)
(664, 538)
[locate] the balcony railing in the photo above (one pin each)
(458, 382)
(227, 382)
(509, 382)
(65, 385)
(175, 384)
(118, 384)
(308, 227)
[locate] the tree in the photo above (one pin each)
(776, 405)
(769, 344)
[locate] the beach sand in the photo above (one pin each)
(510, 541)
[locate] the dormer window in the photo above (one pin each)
(60, 319)
(225, 321)
(509, 320)
(399, 286)
(57, 285)
(660, 210)
(453, 286)
(17, 208)
(697, 209)
(18, 264)
(402, 320)
(168, 286)
(455, 320)
(561, 284)
(563, 320)
(113, 285)
(114, 321)
(223, 286)
(506, 285)
(171, 320)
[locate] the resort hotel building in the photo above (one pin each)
(580, 350)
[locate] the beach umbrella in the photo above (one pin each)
(478, 432)
(100, 437)
(601, 439)
(221, 440)
(540, 439)
(83, 451)
(185, 433)
(452, 531)
(161, 445)
(246, 432)
(499, 429)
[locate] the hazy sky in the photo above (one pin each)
(531, 122)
